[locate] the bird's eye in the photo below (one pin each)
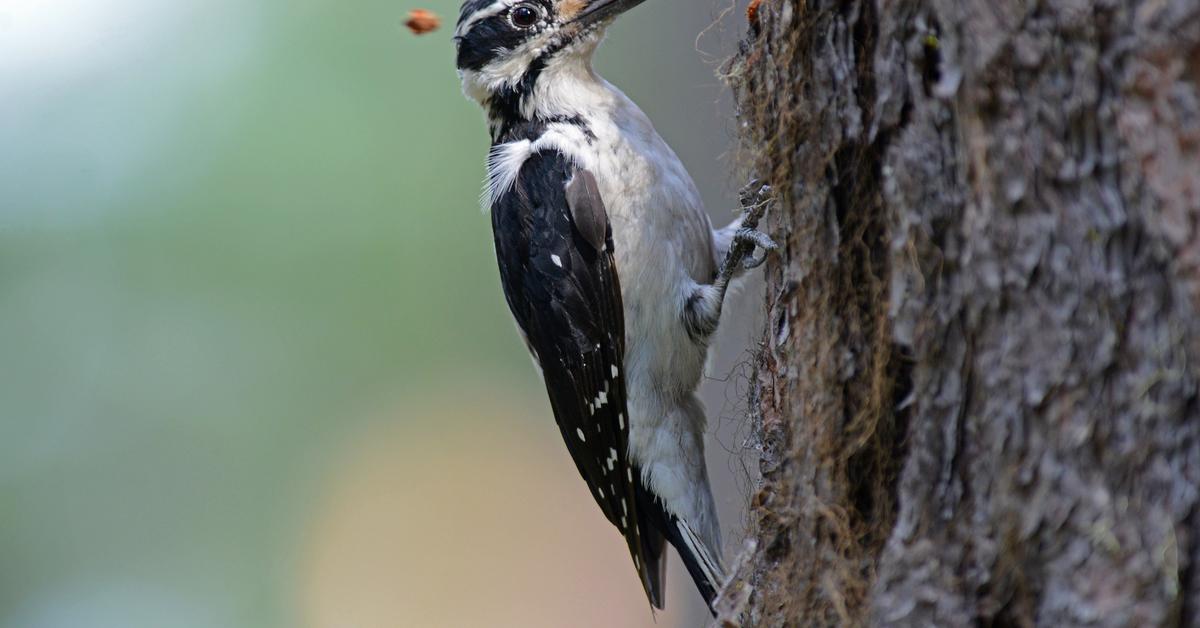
(525, 15)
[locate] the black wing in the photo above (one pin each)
(554, 246)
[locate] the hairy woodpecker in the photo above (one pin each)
(611, 268)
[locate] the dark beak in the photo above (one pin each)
(600, 10)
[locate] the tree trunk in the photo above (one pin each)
(977, 393)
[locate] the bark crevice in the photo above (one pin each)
(977, 395)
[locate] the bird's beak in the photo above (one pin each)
(600, 10)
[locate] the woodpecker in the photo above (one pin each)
(611, 268)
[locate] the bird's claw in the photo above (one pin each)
(754, 262)
(756, 239)
(754, 193)
(741, 253)
(756, 196)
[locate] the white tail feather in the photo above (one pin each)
(710, 565)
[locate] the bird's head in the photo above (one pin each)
(505, 47)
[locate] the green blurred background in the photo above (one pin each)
(255, 367)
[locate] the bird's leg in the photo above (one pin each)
(702, 312)
(755, 198)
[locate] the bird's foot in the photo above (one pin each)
(741, 255)
(746, 240)
(702, 312)
(756, 197)
(703, 309)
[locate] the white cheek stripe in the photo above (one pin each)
(496, 8)
(510, 67)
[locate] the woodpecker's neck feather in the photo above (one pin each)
(542, 79)
(566, 86)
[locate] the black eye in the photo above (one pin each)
(524, 16)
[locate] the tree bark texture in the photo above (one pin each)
(976, 400)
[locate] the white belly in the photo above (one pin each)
(664, 248)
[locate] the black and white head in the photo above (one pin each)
(510, 51)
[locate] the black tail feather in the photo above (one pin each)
(664, 524)
(655, 560)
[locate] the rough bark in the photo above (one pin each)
(977, 394)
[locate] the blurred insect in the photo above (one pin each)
(421, 21)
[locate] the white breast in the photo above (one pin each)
(663, 242)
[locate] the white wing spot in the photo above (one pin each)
(629, 474)
(621, 420)
(601, 491)
(612, 457)
(615, 371)
(624, 524)
(581, 436)
(556, 259)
